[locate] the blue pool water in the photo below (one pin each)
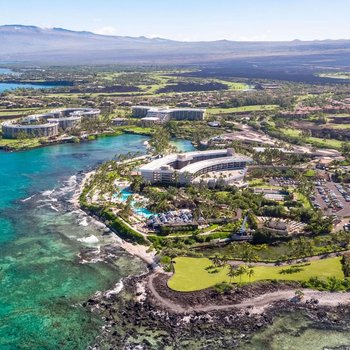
(125, 194)
(182, 146)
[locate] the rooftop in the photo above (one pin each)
(193, 168)
(157, 163)
(168, 109)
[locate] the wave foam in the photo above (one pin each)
(116, 290)
(91, 239)
(84, 222)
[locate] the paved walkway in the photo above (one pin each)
(257, 304)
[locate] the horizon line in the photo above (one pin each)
(168, 39)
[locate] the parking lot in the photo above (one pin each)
(332, 198)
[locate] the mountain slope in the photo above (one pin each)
(39, 45)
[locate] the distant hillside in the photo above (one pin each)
(30, 44)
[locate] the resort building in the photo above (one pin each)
(69, 118)
(280, 227)
(66, 123)
(12, 131)
(73, 112)
(151, 121)
(185, 168)
(120, 121)
(165, 114)
(48, 124)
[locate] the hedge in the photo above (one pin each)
(118, 225)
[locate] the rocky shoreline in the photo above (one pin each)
(143, 313)
(135, 320)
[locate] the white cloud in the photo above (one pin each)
(106, 31)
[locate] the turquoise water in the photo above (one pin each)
(183, 145)
(295, 331)
(125, 194)
(7, 71)
(13, 86)
(43, 279)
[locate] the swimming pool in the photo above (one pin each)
(125, 193)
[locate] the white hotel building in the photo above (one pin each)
(184, 168)
(165, 114)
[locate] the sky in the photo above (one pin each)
(188, 20)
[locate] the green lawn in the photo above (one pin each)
(339, 126)
(191, 274)
(216, 111)
(21, 111)
(20, 144)
(260, 183)
(138, 130)
(291, 132)
(315, 141)
(300, 197)
(256, 182)
(310, 173)
(233, 85)
(331, 143)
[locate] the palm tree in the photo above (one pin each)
(241, 271)
(232, 272)
(224, 260)
(250, 273)
(216, 260)
(248, 254)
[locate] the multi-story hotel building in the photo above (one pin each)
(183, 168)
(164, 113)
(12, 131)
(48, 124)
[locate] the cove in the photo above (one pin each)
(43, 280)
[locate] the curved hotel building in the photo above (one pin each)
(12, 131)
(184, 168)
(48, 124)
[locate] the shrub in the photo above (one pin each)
(222, 288)
(346, 264)
(126, 232)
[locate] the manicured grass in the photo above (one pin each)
(20, 144)
(21, 111)
(260, 183)
(339, 126)
(191, 274)
(315, 141)
(216, 111)
(138, 130)
(291, 132)
(256, 182)
(233, 85)
(300, 197)
(310, 173)
(331, 143)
